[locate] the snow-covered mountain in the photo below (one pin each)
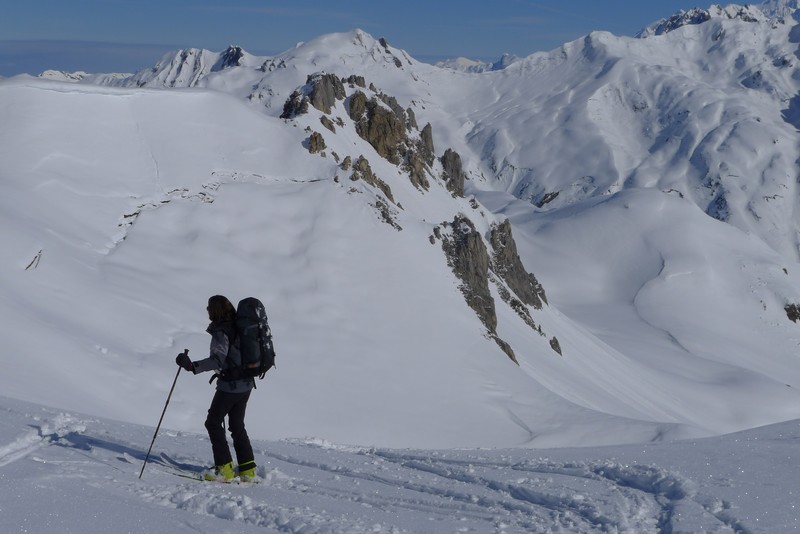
(469, 65)
(650, 184)
(770, 12)
(591, 246)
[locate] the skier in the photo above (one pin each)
(230, 398)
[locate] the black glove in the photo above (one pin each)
(183, 361)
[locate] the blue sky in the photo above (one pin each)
(128, 35)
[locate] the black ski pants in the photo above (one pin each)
(234, 406)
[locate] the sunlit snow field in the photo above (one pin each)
(667, 256)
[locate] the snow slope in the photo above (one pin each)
(77, 473)
(651, 187)
(705, 110)
(124, 229)
(134, 199)
(113, 264)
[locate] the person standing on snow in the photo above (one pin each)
(230, 398)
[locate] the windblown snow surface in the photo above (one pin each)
(651, 186)
(65, 472)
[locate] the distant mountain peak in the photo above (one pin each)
(63, 76)
(469, 65)
(770, 10)
(351, 44)
(188, 66)
(231, 57)
(780, 8)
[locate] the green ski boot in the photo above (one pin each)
(221, 473)
(247, 472)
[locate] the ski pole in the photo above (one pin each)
(147, 456)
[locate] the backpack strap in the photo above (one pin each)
(233, 341)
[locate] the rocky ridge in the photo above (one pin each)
(481, 265)
(479, 262)
(745, 13)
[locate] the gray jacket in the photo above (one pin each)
(224, 355)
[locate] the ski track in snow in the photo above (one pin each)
(49, 432)
(314, 486)
(374, 490)
(508, 495)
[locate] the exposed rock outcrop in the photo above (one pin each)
(385, 125)
(396, 108)
(354, 80)
(272, 64)
(321, 91)
(479, 266)
(379, 126)
(386, 214)
(381, 121)
(468, 257)
(696, 15)
(231, 57)
(363, 171)
(419, 160)
(385, 44)
(792, 312)
(555, 345)
(327, 123)
(324, 91)
(411, 123)
(295, 105)
(508, 265)
(453, 176)
(426, 143)
(316, 143)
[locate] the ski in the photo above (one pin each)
(198, 477)
(192, 472)
(235, 482)
(174, 464)
(183, 475)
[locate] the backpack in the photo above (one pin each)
(254, 341)
(255, 338)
